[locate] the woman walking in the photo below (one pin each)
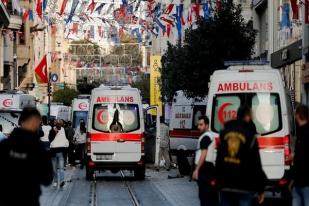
(80, 140)
(58, 146)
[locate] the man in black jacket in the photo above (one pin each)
(26, 165)
(300, 170)
(238, 165)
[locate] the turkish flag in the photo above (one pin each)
(41, 70)
(294, 6)
(64, 4)
(39, 8)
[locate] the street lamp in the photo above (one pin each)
(15, 79)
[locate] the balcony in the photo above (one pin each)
(15, 22)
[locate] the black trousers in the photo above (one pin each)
(208, 194)
(81, 153)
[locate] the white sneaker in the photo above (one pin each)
(55, 184)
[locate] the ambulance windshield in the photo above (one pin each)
(265, 107)
(9, 120)
(116, 118)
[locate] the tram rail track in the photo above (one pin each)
(93, 201)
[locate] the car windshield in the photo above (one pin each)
(78, 116)
(116, 117)
(9, 120)
(265, 107)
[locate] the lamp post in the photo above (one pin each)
(15, 73)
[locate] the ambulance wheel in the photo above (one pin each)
(139, 173)
(89, 174)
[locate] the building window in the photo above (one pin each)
(21, 34)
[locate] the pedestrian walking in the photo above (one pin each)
(46, 129)
(204, 171)
(300, 169)
(164, 152)
(80, 141)
(25, 164)
(2, 135)
(71, 150)
(238, 166)
(58, 146)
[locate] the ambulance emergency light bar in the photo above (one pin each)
(245, 62)
(116, 83)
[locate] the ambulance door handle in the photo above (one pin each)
(120, 140)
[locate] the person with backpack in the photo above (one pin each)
(300, 169)
(80, 138)
(238, 165)
(58, 146)
(204, 171)
(25, 164)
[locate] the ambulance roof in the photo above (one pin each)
(115, 87)
(246, 69)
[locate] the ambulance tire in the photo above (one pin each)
(89, 174)
(139, 173)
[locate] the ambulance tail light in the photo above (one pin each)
(287, 149)
(91, 164)
(143, 144)
(88, 144)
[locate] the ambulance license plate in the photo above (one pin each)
(104, 157)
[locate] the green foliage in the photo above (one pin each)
(65, 95)
(143, 84)
(206, 46)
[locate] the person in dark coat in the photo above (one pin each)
(238, 166)
(25, 164)
(300, 169)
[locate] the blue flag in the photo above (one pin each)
(73, 8)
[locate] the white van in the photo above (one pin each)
(261, 88)
(60, 111)
(80, 108)
(115, 131)
(11, 105)
(183, 123)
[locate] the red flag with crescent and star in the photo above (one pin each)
(41, 71)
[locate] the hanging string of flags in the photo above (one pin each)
(109, 20)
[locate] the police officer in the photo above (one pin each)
(25, 164)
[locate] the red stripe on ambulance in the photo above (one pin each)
(115, 137)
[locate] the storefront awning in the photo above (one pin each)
(287, 55)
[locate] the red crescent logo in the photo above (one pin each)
(82, 106)
(7, 102)
(221, 112)
(102, 116)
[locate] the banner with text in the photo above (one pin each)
(155, 94)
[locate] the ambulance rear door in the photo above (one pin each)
(117, 127)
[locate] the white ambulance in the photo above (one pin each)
(115, 131)
(183, 123)
(11, 105)
(80, 108)
(261, 88)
